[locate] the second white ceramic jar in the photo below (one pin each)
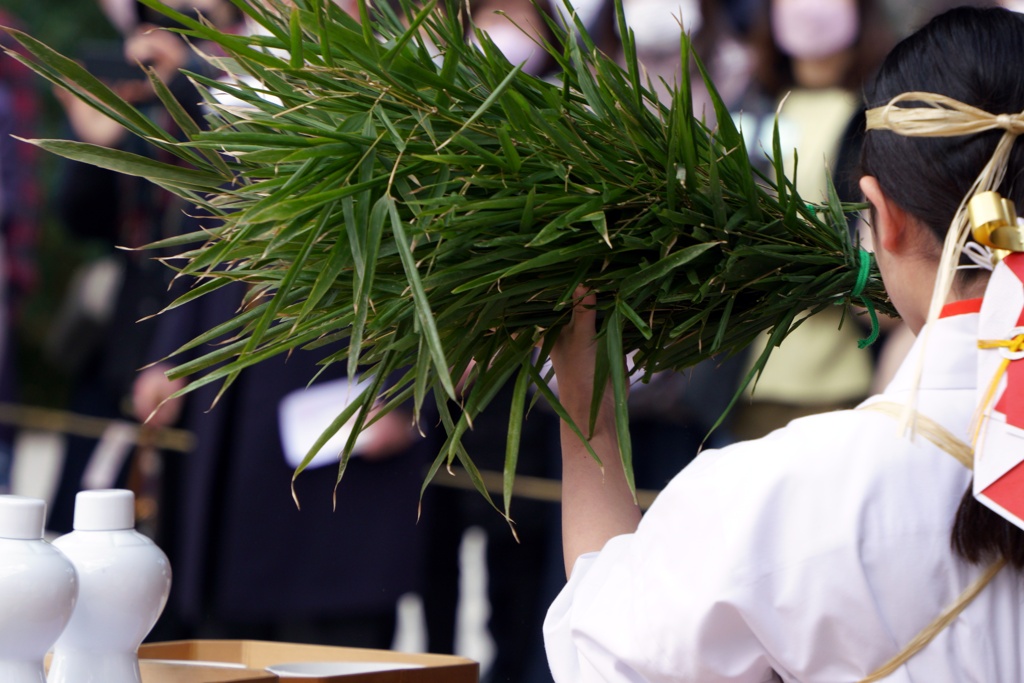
(124, 581)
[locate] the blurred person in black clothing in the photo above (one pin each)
(102, 335)
(19, 198)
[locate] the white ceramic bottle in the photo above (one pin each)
(37, 590)
(124, 580)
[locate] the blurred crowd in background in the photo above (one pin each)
(247, 563)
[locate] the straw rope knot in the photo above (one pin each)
(936, 115)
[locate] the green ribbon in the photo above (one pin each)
(858, 293)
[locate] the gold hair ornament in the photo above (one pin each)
(994, 222)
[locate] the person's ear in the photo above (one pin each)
(890, 228)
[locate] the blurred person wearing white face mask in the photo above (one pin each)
(815, 54)
(657, 27)
(651, 28)
(815, 29)
(811, 58)
(101, 347)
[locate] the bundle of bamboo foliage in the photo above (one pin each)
(387, 182)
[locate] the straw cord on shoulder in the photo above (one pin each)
(930, 430)
(964, 454)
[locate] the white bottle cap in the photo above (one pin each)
(104, 510)
(22, 518)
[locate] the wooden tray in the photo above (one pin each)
(257, 655)
(161, 671)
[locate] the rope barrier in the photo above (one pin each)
(183, 441)
(533, 488)
(64, 422)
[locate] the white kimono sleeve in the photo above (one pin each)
(622, 617)
(770, 555)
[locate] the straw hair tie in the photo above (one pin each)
(939, 116)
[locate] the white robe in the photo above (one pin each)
(816, 552)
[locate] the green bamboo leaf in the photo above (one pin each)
(129, 164)
(778, 164)
(484, 106)
(626, 310)
(337, 261)
(198, 236)
(296, 53)
(475, 477)
(664, 266)
(67, 73)
(445, 415)
(542, 387)
(723, 325)
(553, 229)
(777, 334)
(620, 392)
(422, 375)
(291, 209)
(366, 405)
(629, 52)
(370, 40)
(526, 220)
(403, 40)
(364, 283)
(196, 292)
(424, 314)
(508, 148)
(187, 125)
(537, 262)
(396, 137)
(216, 333)
(347, 414)
(270, 313)
(586, 83)
(320, 12)
(835, 208)
(602, 372)
(685, 130)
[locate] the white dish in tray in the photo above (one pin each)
(324, 669)
(195, 662)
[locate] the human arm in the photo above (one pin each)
(597, 503)
(151, 396)
(146, 47)
(389, 435)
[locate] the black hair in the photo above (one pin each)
(968, 54)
